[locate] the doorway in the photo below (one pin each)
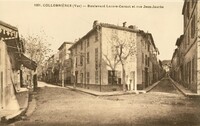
(146, 77)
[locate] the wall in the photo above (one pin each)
(8, 99)
(107, 47)
(198, 47)
(191, 51)
(86, 67)
(142, 49)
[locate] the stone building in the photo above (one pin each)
(65, 62)
(166, 64)
(188, 47)
(95, 64)
(13, 63)
(49, 72)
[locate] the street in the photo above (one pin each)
(163, 105)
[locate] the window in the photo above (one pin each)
(148, 63)
(193, 29)
(189, 72)
(143, 76)
(143, 58)
(76, 61)
(88, 77)
(146, 60)
(96, 59)
(88, 42)
(193, 66)
(81, 77)
(81, 60)
(82, 45)
(148, 47)
(188, 10)
(96, 37)
(88, 57)
(96, 66)
(96, 77)
(76, 50)
(145, 44)
(71, 53)
(142, 42)
(114, 77)
(186, 74)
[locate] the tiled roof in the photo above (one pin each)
(118, 27)
(114, 27)
(64, 44)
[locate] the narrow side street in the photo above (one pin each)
(164, 105)
(166, 87)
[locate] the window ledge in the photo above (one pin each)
(22, 90)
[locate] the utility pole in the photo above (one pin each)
(74, 71)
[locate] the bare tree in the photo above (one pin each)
(123, 46)
(37, 47)
(111, 62)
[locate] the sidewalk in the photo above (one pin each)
(22, 99)
(152, 86)
(98, 93)
(114, 93)
(183, 90)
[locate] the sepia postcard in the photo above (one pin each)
(99, 63)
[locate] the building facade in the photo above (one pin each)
(49, 72)
(12, 64)
(188, 48)
(95, 64)
(166, 64)
(65, 63)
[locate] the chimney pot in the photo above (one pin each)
(95, 23)
(124, 24)
(131, 26)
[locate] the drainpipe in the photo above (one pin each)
(100, 39)
(74, 73)
(85, 54)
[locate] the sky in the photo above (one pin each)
(67, 23)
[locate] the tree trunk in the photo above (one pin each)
(35, 83)
(123, 78)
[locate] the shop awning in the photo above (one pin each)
(28, 63)
(14, 45)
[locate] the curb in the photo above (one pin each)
(152, 86)
(189, 95)
(173, 82)
(104, 94)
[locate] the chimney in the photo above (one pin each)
(131, 26)
(95, 23)
(124, 24)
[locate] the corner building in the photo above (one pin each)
(93, 58)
